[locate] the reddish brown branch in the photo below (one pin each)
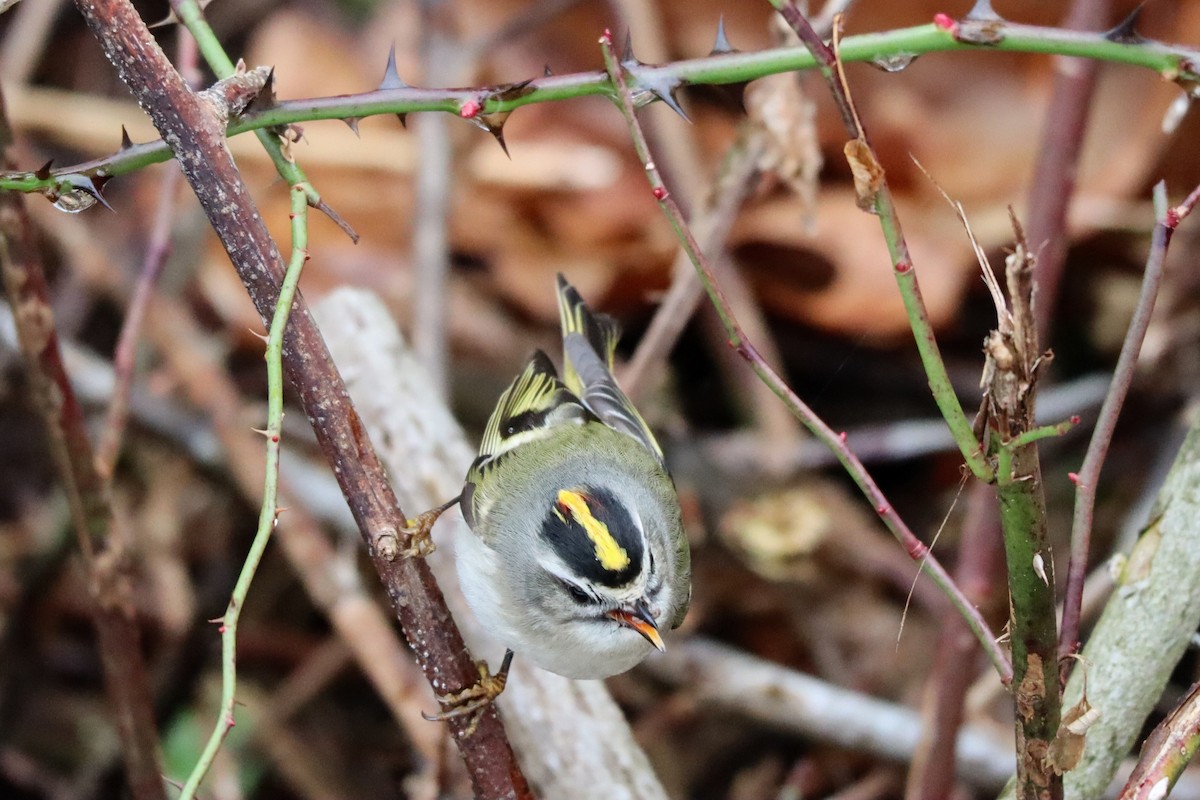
(158, 249)
(1058, 159)
(1106, 422)
(125, 355)
(112, 608)
(1049, 200)
(933, 771)
(197, 139)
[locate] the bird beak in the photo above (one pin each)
(639, 618)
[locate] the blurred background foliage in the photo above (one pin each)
(790, 565)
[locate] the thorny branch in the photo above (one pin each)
(836, 442)
(874, 194)
(198, 140)
(488, 106)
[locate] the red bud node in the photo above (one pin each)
(470, 109)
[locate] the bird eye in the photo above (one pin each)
(577, 594)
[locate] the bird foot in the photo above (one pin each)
(475, 699)
(419, 531)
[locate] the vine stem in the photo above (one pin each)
(269, 513)
(737, 339)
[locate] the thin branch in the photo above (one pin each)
(1174, 62)
(268, 515)
(441, 60)
(1167, 751)
(979, 573)
(870, 182)
(1050, 197)
(1058, 158)
(1106, 421)
(87, 494)
(198, 137)
(913, 546)
(712, 221)
(158, 248)
(125, 355)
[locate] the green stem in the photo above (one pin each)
(1033, 624)
(1169, 61)
(927, 347)
(1044, 432)
(192, 17)
(873, 192)
(268, 515)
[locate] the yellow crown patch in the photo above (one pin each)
(610, 554)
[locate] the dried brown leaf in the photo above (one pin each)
(868, 172)
(1067, 747)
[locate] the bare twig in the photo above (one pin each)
(198, 139)
(111, 592)
(1167, 750)
(125, 355)
(871, 185)
(979, 561)
(913, 546)
(158, 248)
(442, 62)
(711, 214)
(753, 687)
(1106, 421)
(1058, 158)
(712, 222)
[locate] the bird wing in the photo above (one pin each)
(532, 408)
(589, 343)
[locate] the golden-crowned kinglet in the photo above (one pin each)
(579, 557)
